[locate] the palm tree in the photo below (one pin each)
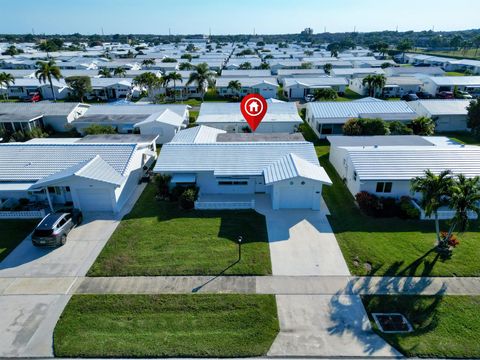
(203, 77)
(120, 72)
(434, 189)
(423, 126)
(245, 66)
(464, 199)
(46, 71)
(7, 80)
(235, 86)
(185, 66)
(369, 82)
(327, 68)
(104, 72)
(148, 62)
(403, 46)
(147, 80)
(379, 82)
(174, 76)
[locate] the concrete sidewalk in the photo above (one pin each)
(278, 285)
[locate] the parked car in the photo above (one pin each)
(424, 95)
(34, 97)
(445, 95)
(54, 228)
(410, 97)
(309, 98)
(463, 95)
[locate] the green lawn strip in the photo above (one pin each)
(392, 246)
(444, 326)
(12, 233)
(227, 325)
(454, 73)
(462, 137)
(158, 238)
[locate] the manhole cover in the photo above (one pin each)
(392, 323)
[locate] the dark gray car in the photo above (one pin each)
(54, 228)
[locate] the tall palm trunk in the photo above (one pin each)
(174, 91)
(437, 227)
(51, 88)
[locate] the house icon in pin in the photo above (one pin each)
(253, 107)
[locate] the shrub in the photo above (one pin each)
(356, 127)
(176, 192)
(187, 199)
(368, 203)
(407, 209)
(423, 126)
(162, 183)
(399, 128)
(352, 128)
(96, 129)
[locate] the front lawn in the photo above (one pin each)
(464, 137)
(444, 326)
(391, 246)
(166, 326)
(12, 233)
(158, 238)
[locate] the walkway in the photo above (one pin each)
(278, 285)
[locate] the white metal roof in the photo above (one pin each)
(211, 112)
(291, 166)
(315, 81)
(455, 80)
(444, 107)
(165, 117)
(197, 134)
(94, 169)
(407, 162)
(22, 162)
(246, 81)
(353, 109)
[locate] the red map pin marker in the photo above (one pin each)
(254, 108)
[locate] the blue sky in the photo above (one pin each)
(234, 17)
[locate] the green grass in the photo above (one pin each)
(166, 326)
(454, 73)
(463, 137)
(444, 326)
(158, 238)
(12, 232)
(392, 246)
(349, 95)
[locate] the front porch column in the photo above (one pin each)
(48, 198)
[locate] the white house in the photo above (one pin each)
(327, 118)
(435, 84)
(267, 87)
(395, 86)
(449, 115)
(90, 175)
(280, 117)
(24, 88)
(163, 121)
(385, 165)
(356, 72)
(298, 88)
(27, 116)
(230, 169)
(110, 88)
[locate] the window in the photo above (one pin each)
(229, 182)
(384, 187)
(354, 176)
(67, 188)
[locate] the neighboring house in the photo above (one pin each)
(280, 117)
(435, 84)
(356, 72)
(110, 88)
(91, 176)
(246, 73)
(463, 65)
(27, 116)
(449, 115)
(292, 73)
(298, 88)
(396, 86)
(327, 118)
(267, 87)
(385, 165)
(414, 71)
(163, 121)
(230, 169)
(24, 88)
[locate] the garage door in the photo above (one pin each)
(296, 197)
(94, 200)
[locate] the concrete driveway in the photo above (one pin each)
(302, 243)
(27, 321)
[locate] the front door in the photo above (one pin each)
(259, 185)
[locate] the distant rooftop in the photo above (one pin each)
(117, 139)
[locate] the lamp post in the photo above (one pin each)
(240, 239)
